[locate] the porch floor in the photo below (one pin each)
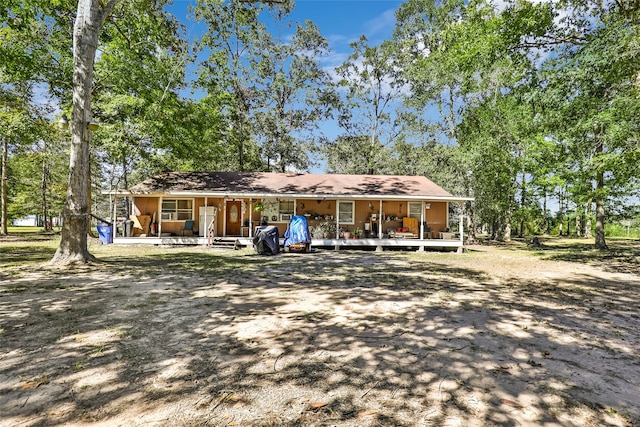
(331, 243)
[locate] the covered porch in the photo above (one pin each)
(341, 210)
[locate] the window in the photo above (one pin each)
(345, 212)
(415, 210)
(286, 207)
(276, 210)
(177, 209)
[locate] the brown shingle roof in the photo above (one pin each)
(313, 185)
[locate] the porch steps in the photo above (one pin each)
(226, 243)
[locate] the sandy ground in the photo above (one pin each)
(191, 337)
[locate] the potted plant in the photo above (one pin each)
(345, 233)
(357, 232)
(324, 230)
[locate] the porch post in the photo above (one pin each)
(206, 205)
(447, 223)
(461, 233)
(337, 219)
(422, 220)
(224, 217)
(160, 216)
(337, 247)
(380, 219)
(114, 222)
(250, 218)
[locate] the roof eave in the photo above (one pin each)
(447, 198)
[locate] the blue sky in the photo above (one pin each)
(340, 21)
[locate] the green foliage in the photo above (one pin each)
(625, 229)
(523, 106)
(372, 86)
(541, 102)
(358, 155)
(292, 96)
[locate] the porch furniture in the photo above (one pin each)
(401, 235)
(188, 226)
(411, 224)
(141, 224)
(446, 235)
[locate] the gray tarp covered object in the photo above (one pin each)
(267, 241)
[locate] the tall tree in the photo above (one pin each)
(234, 38)
(372, 86)
(138, 79)
(89, 21)
(292, 95)
(18, 129)
(463, 61)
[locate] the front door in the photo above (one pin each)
(234, 217)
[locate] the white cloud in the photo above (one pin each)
(381, 23)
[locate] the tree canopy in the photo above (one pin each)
(522, 105)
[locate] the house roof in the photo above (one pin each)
(265, 184)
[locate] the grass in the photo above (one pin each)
(24, 230)
(623, 254)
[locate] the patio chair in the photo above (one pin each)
(188, 226)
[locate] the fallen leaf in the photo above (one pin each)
(367, 413)
(511, 403)
(314, 406)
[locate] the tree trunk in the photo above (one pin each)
(600, 216)
(86, 31)
(545, 224)
(471, 226)
(3, 185)
(587, 223)
(523, 202)
(43, 191)
(506, 231)
(600, 240)
(560, 216)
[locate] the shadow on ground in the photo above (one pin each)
(191, 337)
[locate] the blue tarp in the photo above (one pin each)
(298, 232)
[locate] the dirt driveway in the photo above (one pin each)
(193, 337)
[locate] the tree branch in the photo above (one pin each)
(107, 10)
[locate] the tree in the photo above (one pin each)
(292, 96)
(89, 21)
(372, 87)
(353, 155)
(38, 171)
(18, 129)
(592, 89)
(464, 61)
(235, 37)
(138, 79)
